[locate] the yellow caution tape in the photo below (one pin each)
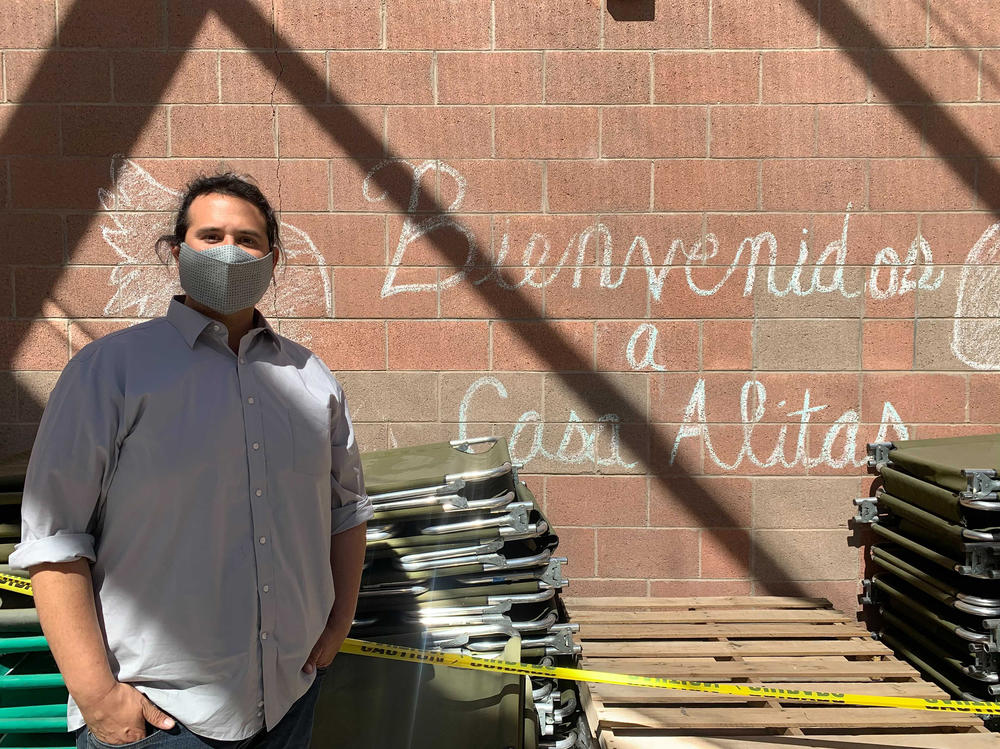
(457, 660)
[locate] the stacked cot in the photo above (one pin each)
(462, 560)
(459, 559)
(936, 585)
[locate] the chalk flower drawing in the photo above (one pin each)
(140, 208)
(975, 337)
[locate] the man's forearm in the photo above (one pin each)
(64, 597)
(347, 559)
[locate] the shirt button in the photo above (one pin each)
(250, 400)
(256, 446)
(260, 704)
(242, 360)
(258, 492)
(263, 539)
(267, 588)
(263, 635)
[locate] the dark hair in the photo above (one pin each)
(224, 183)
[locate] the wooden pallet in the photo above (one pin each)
(797, 643)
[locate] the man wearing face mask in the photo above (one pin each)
(194, 509)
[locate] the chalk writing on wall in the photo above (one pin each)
(975, 338)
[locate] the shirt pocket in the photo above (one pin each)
(310, 425)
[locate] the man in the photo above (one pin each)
(194, 509)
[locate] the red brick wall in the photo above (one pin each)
(689, 256)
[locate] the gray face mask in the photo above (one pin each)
(225, 278)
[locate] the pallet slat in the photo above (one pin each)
(615, 694)
(779, 648)
(742, 630)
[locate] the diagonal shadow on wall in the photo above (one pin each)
(651, 445)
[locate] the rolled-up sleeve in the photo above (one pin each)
(349, 503)
(71, 463)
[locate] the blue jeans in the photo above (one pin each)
(293, 731)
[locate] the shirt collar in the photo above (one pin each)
(190, 323)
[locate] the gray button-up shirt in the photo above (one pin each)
(204, 486)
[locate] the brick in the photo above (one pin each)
(545, 346)
(706, 77)
(340, 238)
(988, 179)
(653, 132)
(813, 503)
(390, 186)
(990, 75)
(952, 235)
(700, 502)
(887, 344)
(626, 449)
(933, 345)
(704, 184)
(869, 130)
(62, 292)
(219, 24)
(330, 131)
(82, 332)
(938, 431)
(409, 435)
(895, 306)
(816, 76)
(443, 24)
(381, 77)
(606, 587)
(58, 76)
(549, 132)
(867, 233)
(591, 300)
(661, 460)
(495, 185)
(873, 24)
(440, 131)
(924, 76)
(908, 391)
(104, 130)
(920, 184)
(596, 500)
(342, 345)
(803, 554)
(679, 300)
(488, 77)
(301, 291)
(134, 24)
(813, 184)
(808, 345)
(607, 185)
(370, 436)
(34, 345)
(282, 77)
(31, 239)
(963, 25)
(447, 245)
(785, 396)
(32, 394)
(696, 588)
(204, 130)
(843, 595)
(782, 23)
(943, 301)
(321, 24)
(579, 546)
(984, 406)
(593, 396)
(732, 232)
(725, 553)
(53, 182)
(391, 396)
(964, 129)
(438, 345)
(529, 238)
(612, 77)
(834, 304)
(727, 344)
(559, 24)
(673, 346)
(501, 399)
(744, 131)
(30, 129)
(28, 23)
(6, 291)
(475, 298)
(678, 23)
(156, 76)
(357, 293)
(647, 552)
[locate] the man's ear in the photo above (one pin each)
(175, 250)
